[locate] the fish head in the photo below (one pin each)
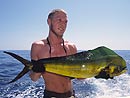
(114, 68)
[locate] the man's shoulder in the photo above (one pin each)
(38, 44)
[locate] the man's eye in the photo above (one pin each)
(59, 20)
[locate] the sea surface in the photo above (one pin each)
(119, 87)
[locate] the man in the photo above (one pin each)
(56, 86)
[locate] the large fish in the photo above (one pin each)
(101, 62)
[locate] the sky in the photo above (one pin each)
(91, 23)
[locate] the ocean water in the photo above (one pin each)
(119, 87)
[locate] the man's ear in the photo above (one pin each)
(49, 22)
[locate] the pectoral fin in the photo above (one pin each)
(103, 74)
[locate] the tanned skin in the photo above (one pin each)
(40, 49)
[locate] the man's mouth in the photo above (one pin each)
(61, 29)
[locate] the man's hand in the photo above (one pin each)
(38, 67)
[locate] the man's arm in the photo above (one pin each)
(34, 56)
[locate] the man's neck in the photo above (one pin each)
(54, 39)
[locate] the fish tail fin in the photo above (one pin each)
(25, 62)
(22, 73)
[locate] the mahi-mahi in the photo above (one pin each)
(100, 62)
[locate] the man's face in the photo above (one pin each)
(58, 23)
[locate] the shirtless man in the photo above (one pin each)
(56, 86)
